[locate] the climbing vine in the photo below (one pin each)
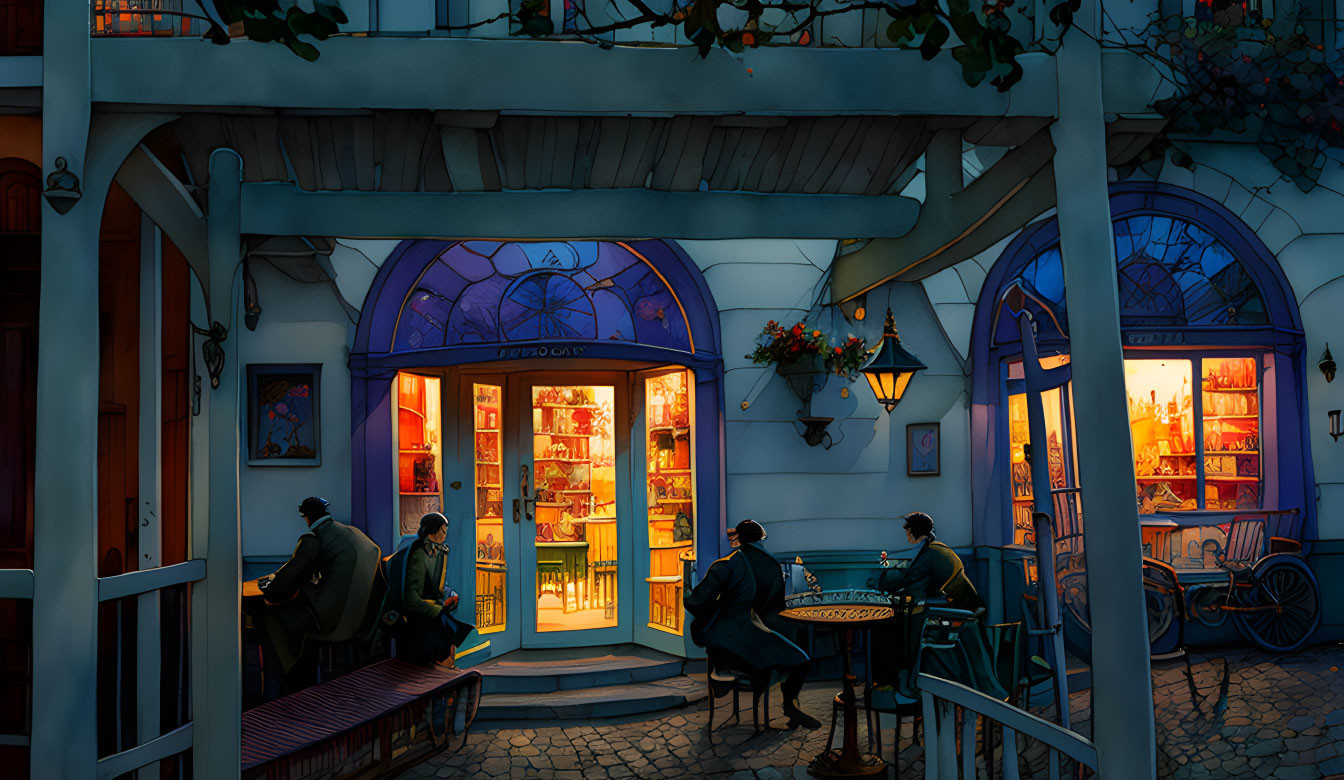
(978, 36)
(1266, 81)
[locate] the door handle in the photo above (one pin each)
(524, 484)
(523, 506)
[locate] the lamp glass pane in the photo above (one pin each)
(902, 380)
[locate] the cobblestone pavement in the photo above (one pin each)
(1233, 714)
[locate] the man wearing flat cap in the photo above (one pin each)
(735, 607)
(325, 591)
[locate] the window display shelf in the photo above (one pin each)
(676, 429)
(1231, 389)
(410, 493)
(1232, 417)
(664, 578)
(487, 430)
(1225, 478)
(672, 546)
(567, 435)
(488, 566)
(562, 460)
(567, 406)
(685, 500)
(487, 463)
(418, 452)
(1166, 477)
(656, 472)
(1231, 452)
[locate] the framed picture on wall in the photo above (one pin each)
(283, 421)
(921, 449)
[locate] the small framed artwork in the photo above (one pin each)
(921, 449)
(283, 421)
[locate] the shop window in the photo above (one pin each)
(1059, 453)
(1172, 457)
(491, 568)
(574, 459)
(1213, 370)
(668, 423)
(418, 455)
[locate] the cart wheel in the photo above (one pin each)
(1206, 605)
(1163, 631)
(1287, 580)
(1074, 613)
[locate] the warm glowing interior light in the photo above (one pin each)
(574, 484)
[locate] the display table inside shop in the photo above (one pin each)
(561, 565)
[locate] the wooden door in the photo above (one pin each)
(20, 27)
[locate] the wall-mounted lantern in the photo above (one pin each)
(1335, 432)
(62, 190)
(891, 367)
(1327, 365)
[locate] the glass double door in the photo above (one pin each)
(550, 472)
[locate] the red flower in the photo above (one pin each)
(838, 350)
(797, 330)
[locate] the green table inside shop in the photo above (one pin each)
(562, 562)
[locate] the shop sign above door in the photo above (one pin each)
(541, 351)
(1152, 338)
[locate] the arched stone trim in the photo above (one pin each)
(1281, 334)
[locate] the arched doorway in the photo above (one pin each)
(561, 403)
(1203, 304)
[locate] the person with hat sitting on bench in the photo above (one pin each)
(329, 590)
(733, 608)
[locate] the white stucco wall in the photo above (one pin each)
(847, 497)
(300, 323)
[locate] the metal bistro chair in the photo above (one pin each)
(723, 681)
(940, 631)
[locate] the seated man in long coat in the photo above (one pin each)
(935, 573)
(325, 591)
(733, 607)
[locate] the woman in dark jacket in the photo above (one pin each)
(427, 632)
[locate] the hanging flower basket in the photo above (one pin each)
(804, 357)
(805, 375)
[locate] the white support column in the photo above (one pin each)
(65, 510)
(148, 647)
(65, 522)
(1122, 693)
(218, 708)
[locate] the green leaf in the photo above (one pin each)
(899, 30)
(975, 63)
(934, 40)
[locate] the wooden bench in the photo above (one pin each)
(372, 723)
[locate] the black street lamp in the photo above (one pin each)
(891, 367)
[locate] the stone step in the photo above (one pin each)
(566, 669)
(607, 701)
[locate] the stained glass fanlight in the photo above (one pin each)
(480, 292)
(1169, 273)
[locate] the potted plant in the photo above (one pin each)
(805, 357)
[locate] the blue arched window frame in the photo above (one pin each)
(1278, 340)
(375, 360)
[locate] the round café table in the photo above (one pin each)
(848, 762)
